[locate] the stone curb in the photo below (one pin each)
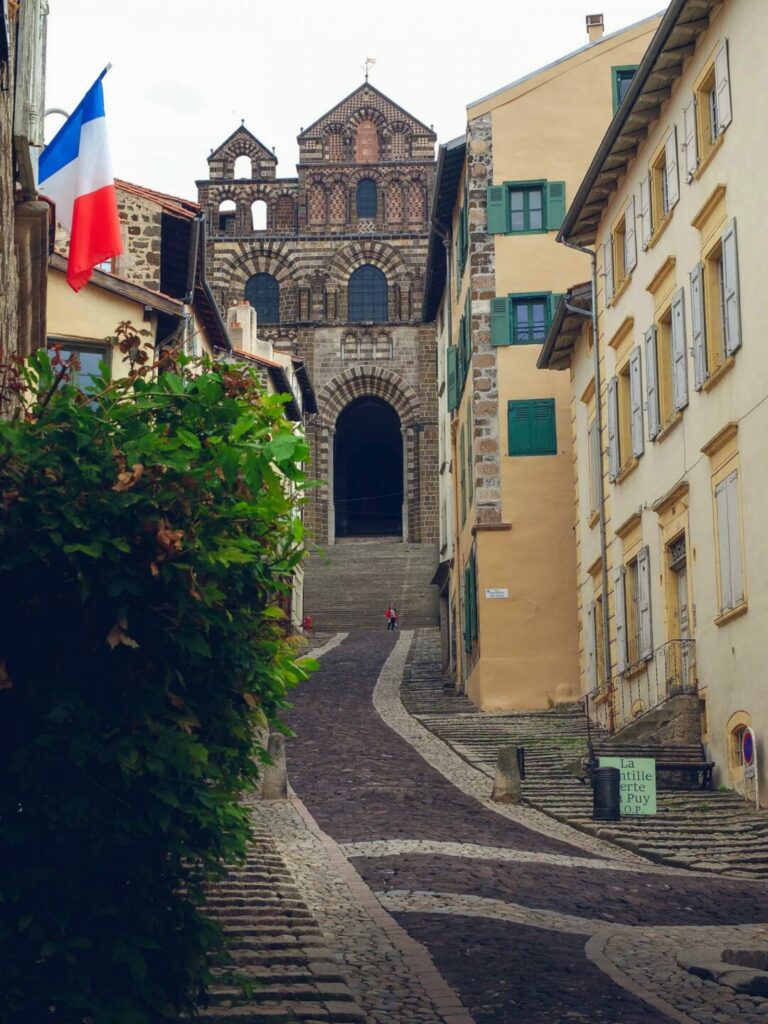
(415, 955)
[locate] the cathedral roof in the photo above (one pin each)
(241, 133)
(366, 95)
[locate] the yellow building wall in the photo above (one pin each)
(546, 127)
(91, 315)
(730, 655)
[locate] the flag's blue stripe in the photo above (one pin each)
(65, 145)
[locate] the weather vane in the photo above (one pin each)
(369, 62)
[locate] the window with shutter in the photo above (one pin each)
(645, 626)
(621, 79)
(593, 445)
(501, 330)
(652, 383)
(614, 463)
(630, 239)
(467, 612)
(732, 313)
(646, 225)
(451, 374)
(621, 618)
(723, 88)
(470, 455)
(462, 474)
(608, 271)
(555, 204)
(698, 326)
(531, 427)
(670, 170)
(730, 562)
(679, 352)
(636, 403)
(498, 210)
(690, 143)
(531, 317)
(473, 617)
(590, 661)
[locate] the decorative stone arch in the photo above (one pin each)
(734, 727)
(398, 141)
(335, 141)
(362, 381)
(387, 258)
(373, 122)
(244, 261)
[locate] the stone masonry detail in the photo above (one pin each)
(485, 394)
(312, 242)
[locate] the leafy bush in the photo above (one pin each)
(147, 527)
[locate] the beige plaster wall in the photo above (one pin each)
(544, 128)
(91, 315)
(730, 657)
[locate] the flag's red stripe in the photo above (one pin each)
(95, 234)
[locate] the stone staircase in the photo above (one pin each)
(708, 831)
(349, 584)
(279, 953)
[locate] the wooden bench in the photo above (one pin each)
(687, 759)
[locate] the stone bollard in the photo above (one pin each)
(507, 788)
(274, 781)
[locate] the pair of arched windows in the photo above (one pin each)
(368, 296)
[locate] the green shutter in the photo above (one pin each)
(519, 428)
(544, 434)
(498, 210)
(451, 375)
(500, 325)
(472, 597)
(531, 427)
(467, 612)
(468, 329)
(555, 204)
(470, 456)
(463, 474)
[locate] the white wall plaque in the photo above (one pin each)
(496, 592)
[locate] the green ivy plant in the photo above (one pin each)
(148, 526)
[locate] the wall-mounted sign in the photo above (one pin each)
(497, 593)
(638, 783)
(749, 759)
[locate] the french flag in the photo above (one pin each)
(75, 171)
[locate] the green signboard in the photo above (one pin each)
(638, 783)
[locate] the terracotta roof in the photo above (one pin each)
(258, 359)
(172, 204)
(122, 286)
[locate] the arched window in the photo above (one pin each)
(367, 294)
(366, 198)
(259, 215)
(243, 167)
(227, 216)
(263, 293)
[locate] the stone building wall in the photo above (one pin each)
(140, 221)
(312, 243)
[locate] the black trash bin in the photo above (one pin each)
(606, 794)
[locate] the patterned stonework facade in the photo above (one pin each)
(302, 239)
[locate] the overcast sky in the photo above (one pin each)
(186, 71)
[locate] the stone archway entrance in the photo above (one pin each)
(368, 470)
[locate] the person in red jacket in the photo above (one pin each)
(391, 616)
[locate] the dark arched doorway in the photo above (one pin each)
(368, 470)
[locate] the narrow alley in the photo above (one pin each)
(441, 906)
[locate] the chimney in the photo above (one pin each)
(595, 27)
(242, 330)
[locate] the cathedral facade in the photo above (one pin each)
(333, 262)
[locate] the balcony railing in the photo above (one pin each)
(642, 687)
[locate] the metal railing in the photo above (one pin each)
(643, 686)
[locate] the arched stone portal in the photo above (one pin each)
(379, 387)
(368, 470)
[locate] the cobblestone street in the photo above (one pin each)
(423, 886)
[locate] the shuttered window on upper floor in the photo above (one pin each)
(522, 318)
(525, 207)
(531, 427)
